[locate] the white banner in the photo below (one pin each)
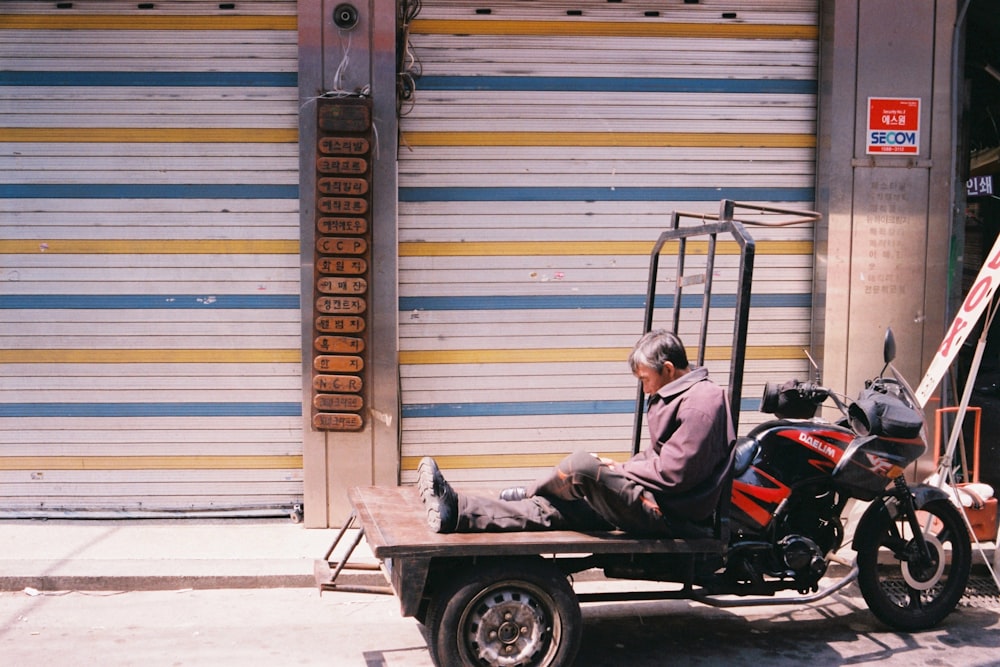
(972, 309)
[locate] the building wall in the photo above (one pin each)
(540, 157)
(159, 233)
(886, 244)
(149, 345)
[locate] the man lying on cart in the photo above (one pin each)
(666, 490)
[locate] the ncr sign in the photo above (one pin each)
(893, 126)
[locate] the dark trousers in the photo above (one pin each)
(581, 493)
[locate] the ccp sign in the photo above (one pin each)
(893, 126)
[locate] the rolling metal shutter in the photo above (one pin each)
(149, 316)
(542, 153)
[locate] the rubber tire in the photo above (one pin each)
(888, 595)
(535, 590)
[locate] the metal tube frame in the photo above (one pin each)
(713, 225)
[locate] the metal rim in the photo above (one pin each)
(923, 577)
(510, 623)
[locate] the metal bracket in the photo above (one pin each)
(326, 571)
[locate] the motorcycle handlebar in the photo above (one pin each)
(812, 391)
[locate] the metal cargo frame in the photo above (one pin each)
(724, 223)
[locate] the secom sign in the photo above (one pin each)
(893, 126)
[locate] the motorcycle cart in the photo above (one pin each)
(506, 599)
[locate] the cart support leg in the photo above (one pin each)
(326, 572)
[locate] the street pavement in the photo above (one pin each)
(242, 593)
(295, 626)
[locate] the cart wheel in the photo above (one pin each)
(507, 612)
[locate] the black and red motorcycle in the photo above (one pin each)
(794, 477)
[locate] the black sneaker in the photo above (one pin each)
(514, 493)
(440, 500)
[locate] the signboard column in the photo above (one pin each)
(343, 242)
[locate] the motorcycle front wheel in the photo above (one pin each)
(903, 587)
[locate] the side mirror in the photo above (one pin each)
(889, 346)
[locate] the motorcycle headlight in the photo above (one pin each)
(785, 401)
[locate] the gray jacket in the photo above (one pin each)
(690, 433)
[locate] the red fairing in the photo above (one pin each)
(759, 500)
(828, 442)
(790, 453)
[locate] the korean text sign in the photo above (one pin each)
(893, 126)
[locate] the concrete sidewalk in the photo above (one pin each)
(174, 554)
(167, 554)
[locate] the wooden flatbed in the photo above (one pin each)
(395, 526)
(393, 522)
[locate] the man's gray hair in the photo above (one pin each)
(656, 348)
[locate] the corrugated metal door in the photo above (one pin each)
(149, 315)
(544, 148)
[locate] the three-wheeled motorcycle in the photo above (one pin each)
(489, 599)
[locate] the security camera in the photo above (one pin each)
(345, 16)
